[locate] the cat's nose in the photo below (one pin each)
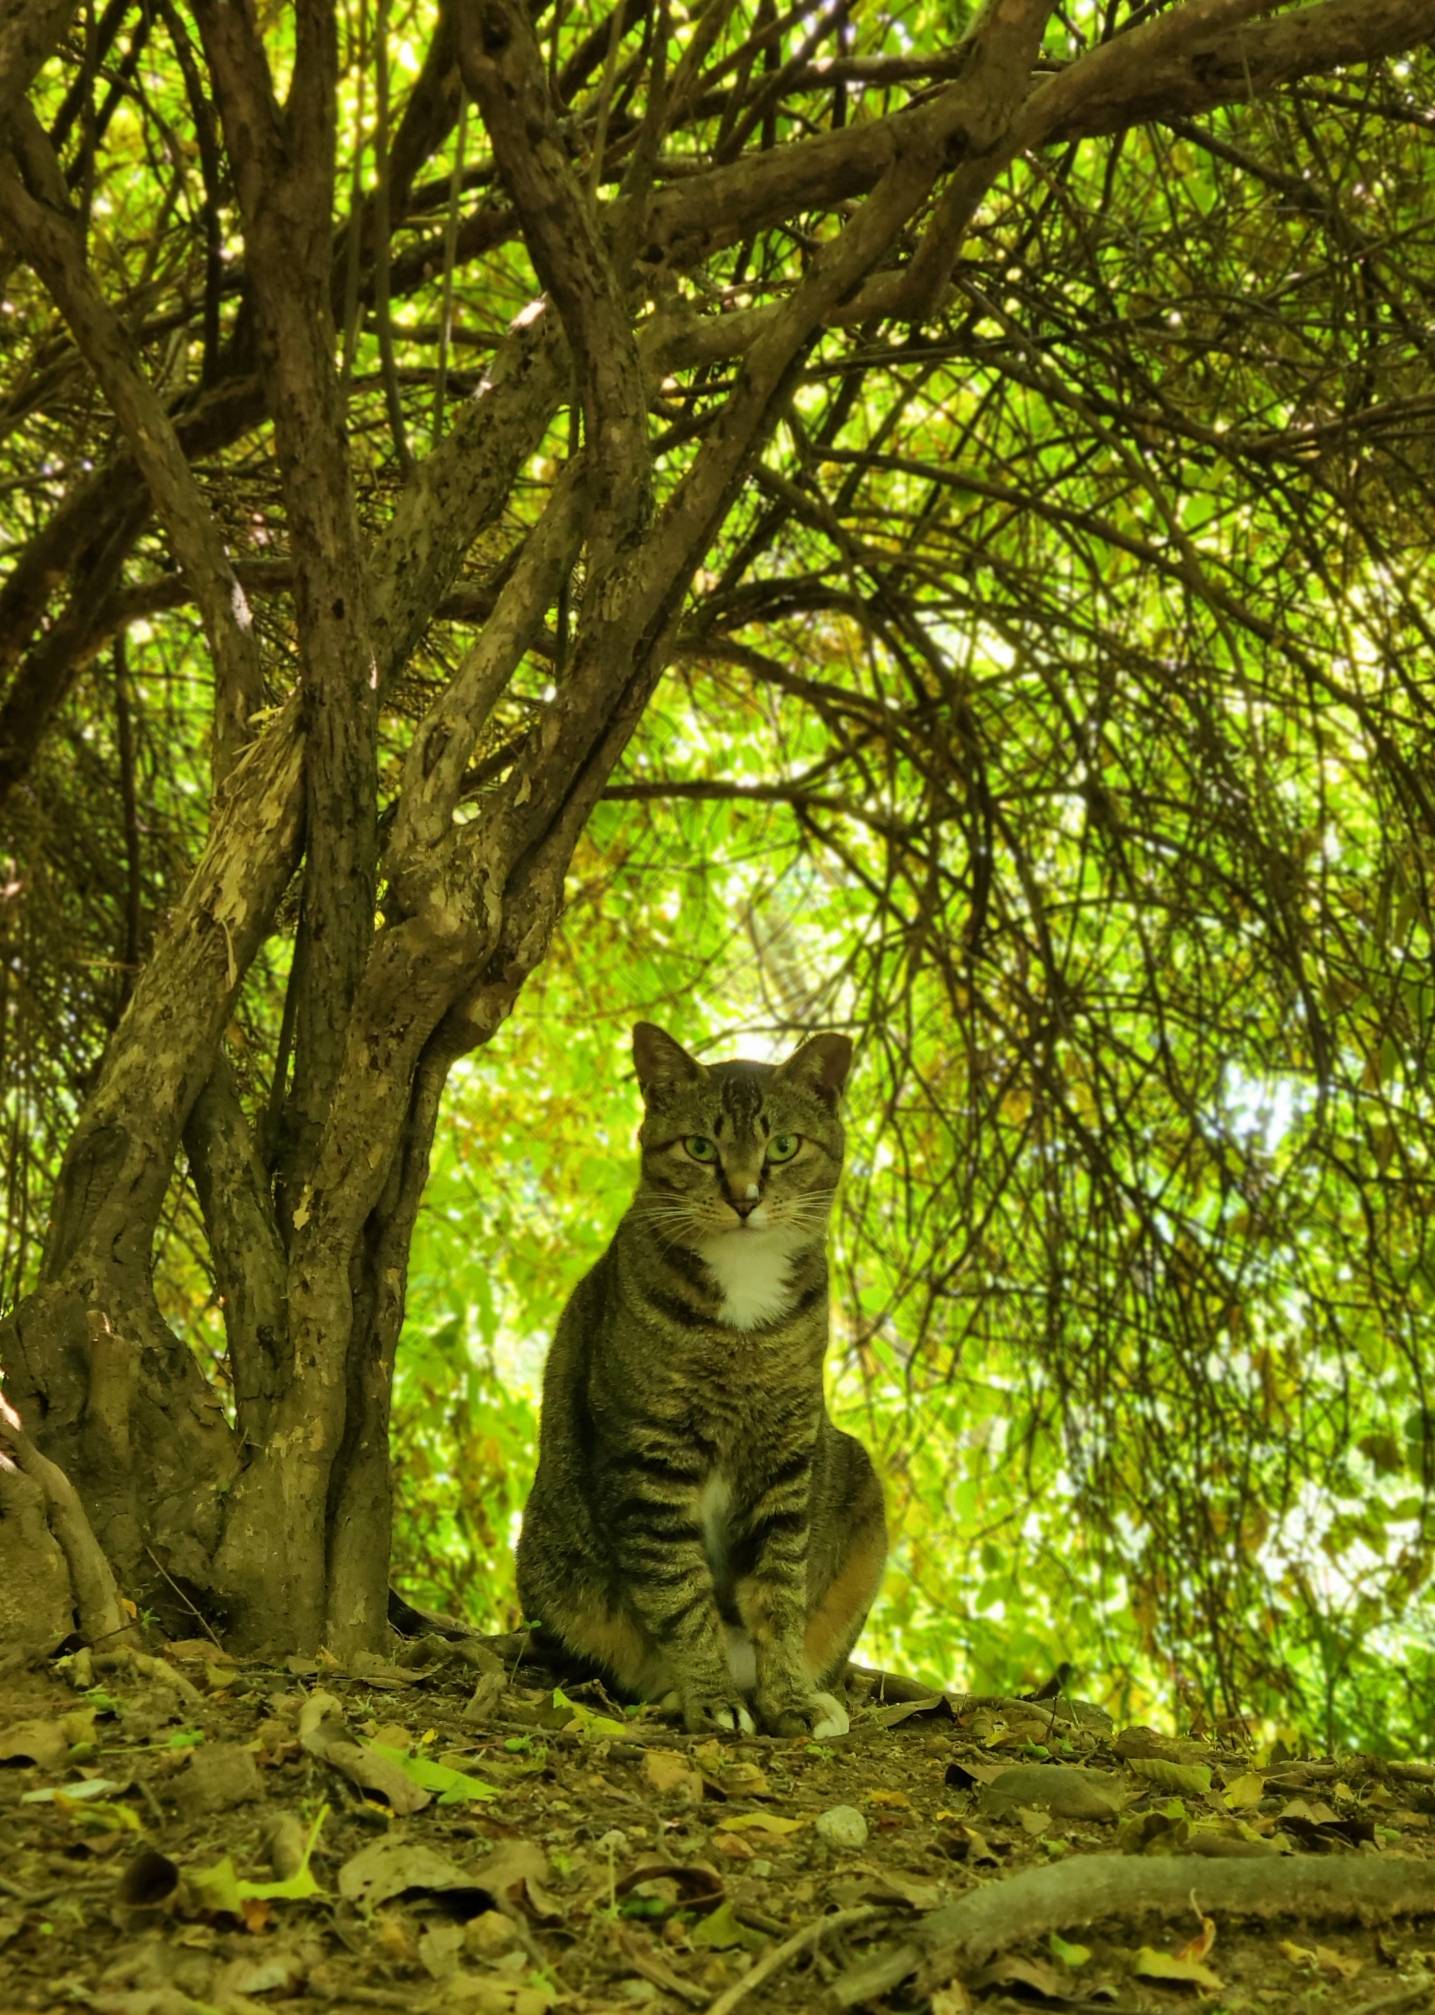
(744, 1205)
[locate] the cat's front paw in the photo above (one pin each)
(702, 1712)
(815, 1714)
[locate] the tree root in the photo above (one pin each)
(100, 1615)
(1096, 1886)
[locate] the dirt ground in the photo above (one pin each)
(185, 1834)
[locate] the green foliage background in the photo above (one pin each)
(1056, 715)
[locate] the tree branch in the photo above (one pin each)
(27, 35)
(701, 213)
(284, 171)
(1131, 79)
(50, 239)
(503, 69)
(443, 743)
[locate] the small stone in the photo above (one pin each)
(842, 1826)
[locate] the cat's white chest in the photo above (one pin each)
(752, 1272)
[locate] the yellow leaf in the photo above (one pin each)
(762, 1822)
(1153, 1965)
(1193, 1779)
(669, 1770)
(745, 1778)
(1243, 1792)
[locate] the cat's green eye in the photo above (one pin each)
(700, 1147)
(783, 1146)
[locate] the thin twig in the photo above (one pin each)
(774, 1961)
(450, 246)
(198, 1615)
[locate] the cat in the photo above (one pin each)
(698, 1530)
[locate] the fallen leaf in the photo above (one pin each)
(1340, 1965)
(149, 1877)
(1154, 1833)
(1153, 1965)
(197, 1651)
(510, 1867)
(1068, 1953)
(1321, 1958)
(1034, 1974)
(1199, 1946)
(1192, 1780)
(1138, 1741)
(743, 1780)
(454, 1787)
(1243, 1792)
(42, 1742)
(1064, 1789)
(592, 1727)
(890, 1885)
(1326, 1833)
(1313, 1810)
(274, 1971)
(323, 1733)
(723, 1931)
(697, 1883)
(394, 1866)
(965, 1843)
(670, 1773)
(220, 1888)
(440, 1950)
(74, 1794)
(905, 1710)
(761, 1822)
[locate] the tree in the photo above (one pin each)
(694, 220)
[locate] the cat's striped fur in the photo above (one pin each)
(698, 1528)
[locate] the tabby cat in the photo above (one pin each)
(698, 1529)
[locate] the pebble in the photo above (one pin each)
(842, 1826)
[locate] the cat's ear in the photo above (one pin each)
(821, 1066)
(661, 1063)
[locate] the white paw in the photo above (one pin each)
(834, 1718)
